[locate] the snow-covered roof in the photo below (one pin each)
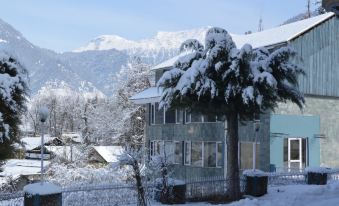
(44, 188)
(15, 167)
(64, 152)
(149, 95)
(34, 142)
(280, 34)
(169, 62)
(109, 153)
(267, 38)
(74, 136)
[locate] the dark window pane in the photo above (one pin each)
(187, 153)
(159, 114)
(246, 155)
(169, 151)
(170, 116)
(177, 153)
(219, 154)
(151, 113)
(210, 154)
(195, 117)
(179, 116)
(295, 153)
(151, 148)
(196, 154)
(209, 118)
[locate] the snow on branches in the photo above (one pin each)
(246, 80)
(13, 90)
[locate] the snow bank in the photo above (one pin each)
(321, 170)
(45, 188)
(254, 173)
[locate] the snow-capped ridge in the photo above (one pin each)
(161, 40)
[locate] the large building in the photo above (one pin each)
(289, 139)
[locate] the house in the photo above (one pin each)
(27, 168)
(71, 137)
(288, 139)
(32, 146)
(105, 154)
(65, 153)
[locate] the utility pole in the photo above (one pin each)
(308, 9)
(260, 26)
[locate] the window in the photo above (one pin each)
(169, 151)
(210, 155)
(158, 147)
(159, 114)
(177, 153)
(213, 154)
(196, 117)
(179, 116)
(187, 117)
(187, 153)
(152, 113)
(151, 148)
(170, 116)
(246, 155)
(196, 154)
(209, 118)
(220, 153)
(192, 117)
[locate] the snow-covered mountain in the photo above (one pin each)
(90, 68)
(43, 65)
(162, 40)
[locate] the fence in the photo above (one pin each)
(200, 189)
(210, 188)
(12, 199)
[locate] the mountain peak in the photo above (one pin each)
(162, 39)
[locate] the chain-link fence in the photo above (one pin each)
(12, 199)
(199, 189)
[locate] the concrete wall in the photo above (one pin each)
(327, 109)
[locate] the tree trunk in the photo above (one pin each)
(140, 188)
(232, 138)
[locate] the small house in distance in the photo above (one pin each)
(105, 154)
(27, 168)
(288, 139)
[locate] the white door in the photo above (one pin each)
(295, 154)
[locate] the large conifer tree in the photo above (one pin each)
(13, 93)
(220, 79)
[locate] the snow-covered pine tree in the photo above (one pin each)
(13, 96)
(236, 83)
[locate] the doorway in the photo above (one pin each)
(295, 154)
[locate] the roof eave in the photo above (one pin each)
(146, 100)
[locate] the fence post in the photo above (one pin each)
(42, 194)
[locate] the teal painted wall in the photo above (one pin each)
(294, 126)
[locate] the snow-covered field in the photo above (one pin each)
(292, 195)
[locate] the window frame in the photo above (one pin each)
(180, 152)
(216, 153)
(257, 157)
(185, 153)
(202, 153)
(152, 114)
(222, 154)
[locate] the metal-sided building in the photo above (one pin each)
(289, 139)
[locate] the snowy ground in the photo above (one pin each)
(292, 195)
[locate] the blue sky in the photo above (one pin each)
(64, 25)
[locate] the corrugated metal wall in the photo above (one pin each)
(319, 49)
